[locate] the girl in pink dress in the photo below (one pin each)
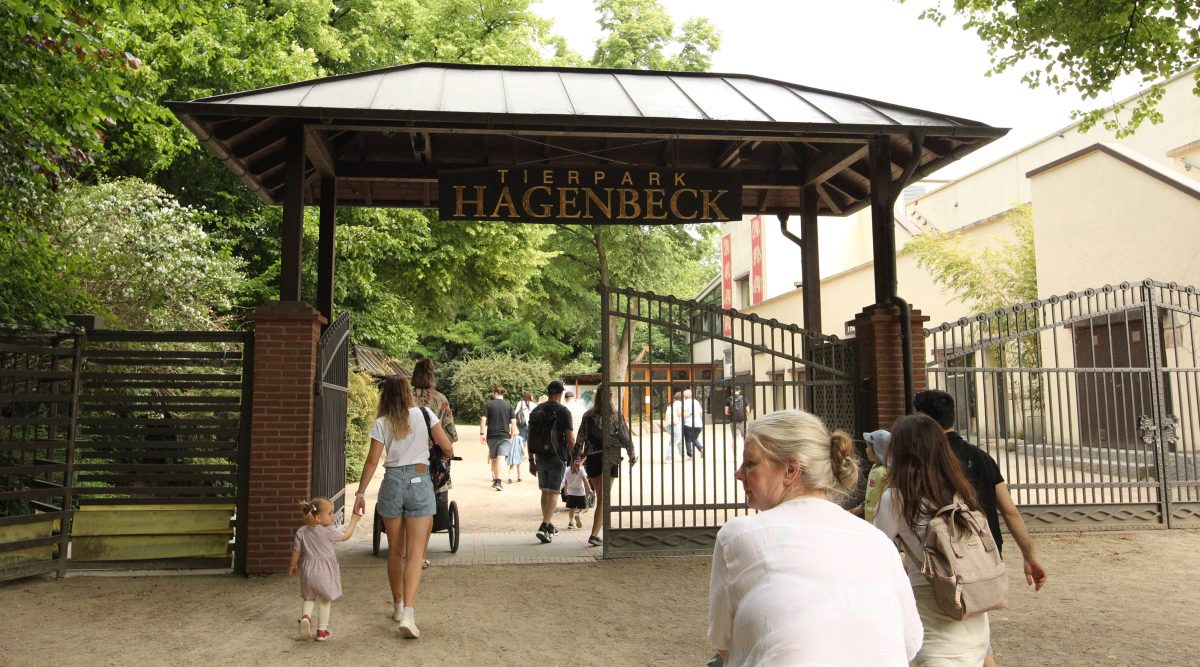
(313, 558)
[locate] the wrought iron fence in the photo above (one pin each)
(1088, 401)
(676, 498)
(329, 427)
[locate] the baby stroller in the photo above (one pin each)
(444, 519)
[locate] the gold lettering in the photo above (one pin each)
(547, 177)
(525, 175)
(627, 179)
(572, 177)
(528, 206)
(628, 202)
(505, 201)
(502, 173)
(565, 204)
(679, 179)
(459, 200)
(711, 203)
(675, 204)
(605, 206)
(598, 177)
(655, 178)
(654, 201)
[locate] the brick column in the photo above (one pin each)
(285, 360)
(881, 363)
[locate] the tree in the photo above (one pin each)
(1085, 46)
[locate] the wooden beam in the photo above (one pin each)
(326, 247)
(826, 199)
(736, 153)
(320, 153)
(292, 242)
(832, 163)
(883, 227)
(810, 266)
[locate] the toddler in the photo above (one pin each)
(313, 558)
(577, 488)
(877, 442)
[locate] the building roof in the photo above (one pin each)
(374, 361)
(384, 134)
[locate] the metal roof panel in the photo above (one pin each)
(536, 93)
(779, 102)
(659, 97)
(411, 89)
(279, 97)
(719, 100)
(474, 91)
(845, 111)
(602, 95)
(343, 94)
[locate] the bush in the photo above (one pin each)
(473, 379)
(362, 400)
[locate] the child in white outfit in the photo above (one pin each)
(577, 487)
(314, 560)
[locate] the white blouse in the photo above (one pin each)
(412, 448)
(807, 583)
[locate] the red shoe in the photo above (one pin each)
(306, 627)
(322, 635)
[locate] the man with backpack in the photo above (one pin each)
(735, 409)
(984, 475)
(551, 446)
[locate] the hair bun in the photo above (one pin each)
(843, 460)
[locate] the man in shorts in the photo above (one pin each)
(550, 469)
(497, 427)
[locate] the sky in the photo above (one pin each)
(831, 44)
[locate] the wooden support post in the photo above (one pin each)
(883, 231)
(325, 248)
(292, 239)
(810, 264)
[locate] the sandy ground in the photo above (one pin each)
(1114, 598)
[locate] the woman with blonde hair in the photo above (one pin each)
(406, 497)
(803, 581)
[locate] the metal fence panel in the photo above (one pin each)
(329, 427)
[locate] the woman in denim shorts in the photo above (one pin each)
(406, 499)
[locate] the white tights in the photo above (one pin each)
(323, 610)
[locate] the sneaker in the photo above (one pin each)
(497, 485)
(595, 541)
(551, 529)
(578, 522)
(306, 627)
(398, 611)
(510, 480)
(543, 534)
(322, 635)
(408, 627)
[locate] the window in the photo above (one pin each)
(742, 287)
(639, 374)
(704, 323)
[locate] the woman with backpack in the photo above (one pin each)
(924, 476)
(516, 453)
(597, 423)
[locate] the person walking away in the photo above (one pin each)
(576, 407)
(923, 475)
(693, 424)
(313, 558)
(577, 489)
(517, 449)
(983, 474)
(497, 426)
(735, 410)
(674, 421)
(802, 582)
(401, 437)
(602, 434)
(551, 445)
(877, 442)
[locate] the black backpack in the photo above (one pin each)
(522, 415)
(543, 431)
(737, 407)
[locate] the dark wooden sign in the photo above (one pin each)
(589, 195)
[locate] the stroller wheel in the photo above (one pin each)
(453, 528)
(376, 532)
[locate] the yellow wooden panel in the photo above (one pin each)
(27, 531)
(148, 547)
(151, 520)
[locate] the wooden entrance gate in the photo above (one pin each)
(329, 425)
(123, 448)
(1090, 403)
(667, 503)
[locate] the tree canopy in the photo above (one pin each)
(1085, 46)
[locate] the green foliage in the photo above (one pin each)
(362, 400)
(987, 279)
(639, 33)
(1085, 46)
(33, 290)
(472, 381)
(584, 364)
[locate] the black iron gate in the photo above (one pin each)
(1090, 403)
(329, 425)
(672, 504)
(121, 448)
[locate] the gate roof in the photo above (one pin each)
(385, 134)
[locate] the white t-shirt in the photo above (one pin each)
(693, 414)
(577, 409)
(887, 519)
(807, 583)
(576, 482)
(412, 448)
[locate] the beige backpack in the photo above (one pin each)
(963, 567)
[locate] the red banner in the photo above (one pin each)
(756, 260)
(727, 281)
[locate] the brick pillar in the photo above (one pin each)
(881, 363)
(285, 360)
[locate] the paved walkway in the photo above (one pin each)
(569, 546)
